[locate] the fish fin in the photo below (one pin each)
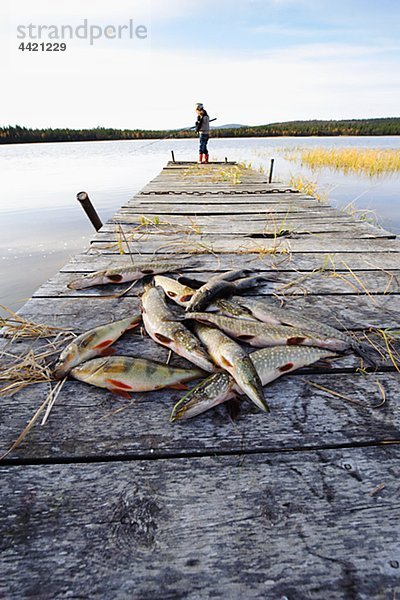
(245, 338)
(120, 393)
(147, 271)
(323, 363)
(103, 345)
(249, 282)
(226, 362)
(163, 338)
(178, 386)
(108, 352)
(286, 367)
(186, 297)
(295, 341)
(132, 326)
(171, 294)
(119, 384)
(193, 283)
(366, 353)
(115, 278)
(233, 407)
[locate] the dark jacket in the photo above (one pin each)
(202, 124)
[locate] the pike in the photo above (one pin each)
(274, 315)
(94, 342)
(166, 329)
(124, 374)
(124, 274)
(221, 285)
(270, 363)
(231, 357)
(261, 335)
(181, 294)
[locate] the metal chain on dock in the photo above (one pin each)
(218, 193)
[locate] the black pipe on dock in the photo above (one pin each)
(89, 209)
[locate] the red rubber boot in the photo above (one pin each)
(201, 158)
(206, 158)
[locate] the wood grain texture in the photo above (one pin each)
(295, 525)
(214, 244)
(301, 261)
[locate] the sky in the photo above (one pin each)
(248, 61)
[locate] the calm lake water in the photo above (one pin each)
(42, 225)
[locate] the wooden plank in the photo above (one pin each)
(260, 262)
(287, 284)
(282, 526)
(265, 227)
(224, 208)
(256, 218)
(86, 421)
(215, 202)
(316, 243)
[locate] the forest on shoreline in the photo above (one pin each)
(349, 127)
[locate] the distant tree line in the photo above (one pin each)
(385, 126)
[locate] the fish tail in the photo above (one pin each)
(366, 352)
(250, 282)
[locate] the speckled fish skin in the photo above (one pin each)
(270, 364)
(231, 357)
(128, 374)
(92, 343)
(215, 286)
(162, 328)
(123, 274)
(274, 315)
(261, 335)
(230, 308)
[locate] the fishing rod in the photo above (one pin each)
(170, 135)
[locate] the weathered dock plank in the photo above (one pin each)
(301, 261)
(240, 244)
(83, 425)
(279, 526)
(288, 283)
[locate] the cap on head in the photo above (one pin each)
(199, 106)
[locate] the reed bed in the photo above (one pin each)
(363, 161)
(308, 187)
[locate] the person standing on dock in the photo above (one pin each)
(202, 127)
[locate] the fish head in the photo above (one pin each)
(208, 393)
(246, 374)
(68, 358)
(231, 309)
(92, 371)
(90, 280)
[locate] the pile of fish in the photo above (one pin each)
(207, 333)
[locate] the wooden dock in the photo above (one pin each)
(301, 503)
